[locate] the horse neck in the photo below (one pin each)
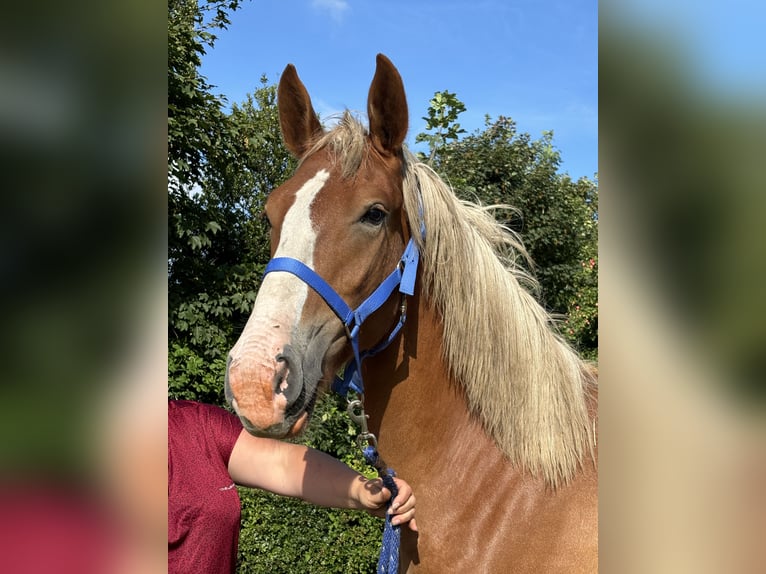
(417, 408)
(414, 403)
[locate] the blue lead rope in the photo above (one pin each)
(388, 562)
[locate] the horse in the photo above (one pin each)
(474, 397)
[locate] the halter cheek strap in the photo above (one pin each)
(402, 277)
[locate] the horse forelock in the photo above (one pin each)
(348, 143)
(527, 386)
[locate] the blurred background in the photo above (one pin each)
(83, 268)
(82, 277)
(682, 142)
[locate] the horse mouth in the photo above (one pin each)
(300, 424)
(296, 419)
(302, 406)
(301, 415)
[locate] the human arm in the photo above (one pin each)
(301, 472)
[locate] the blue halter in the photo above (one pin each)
(403, 277)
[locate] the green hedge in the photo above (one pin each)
(283, 535)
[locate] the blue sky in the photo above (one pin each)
(532, 60)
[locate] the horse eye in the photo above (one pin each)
(374, 216)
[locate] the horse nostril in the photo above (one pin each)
(281, 383)
(287, 380)
(280, 377)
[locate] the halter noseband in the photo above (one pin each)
(403, 277)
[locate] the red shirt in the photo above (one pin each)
(203, 503)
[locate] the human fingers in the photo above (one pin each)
(405, 498)
(405, 517)
(374, 496)
(403, 506)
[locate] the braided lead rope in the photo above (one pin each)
(388, 562)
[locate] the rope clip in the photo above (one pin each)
(357, 414)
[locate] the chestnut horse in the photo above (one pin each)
(477, 402)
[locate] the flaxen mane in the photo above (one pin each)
(528, 387)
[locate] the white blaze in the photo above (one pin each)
(281, 297)
(298, 236)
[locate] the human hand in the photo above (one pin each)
(374, 497)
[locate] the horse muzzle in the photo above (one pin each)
(271, 398)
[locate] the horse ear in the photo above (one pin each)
(297, 118)
(387, 108)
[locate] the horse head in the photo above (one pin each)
(341, 216)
